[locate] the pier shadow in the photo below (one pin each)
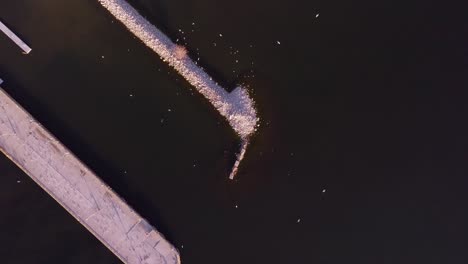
(147, 7)
(161, 21)
(211, 70)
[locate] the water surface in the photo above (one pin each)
(365, 102)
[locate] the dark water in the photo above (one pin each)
(367, 101)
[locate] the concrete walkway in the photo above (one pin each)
(26, 49)
(78, 189)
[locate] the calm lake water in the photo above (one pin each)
(361, 156)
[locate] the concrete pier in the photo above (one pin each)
(78, 189)
(237, 107)
(26, 49)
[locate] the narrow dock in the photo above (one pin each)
(26, 49)
(78, 189)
